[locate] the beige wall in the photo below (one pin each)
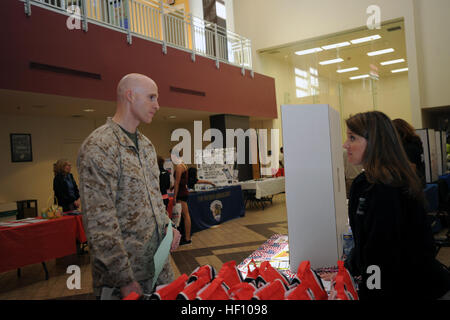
(433, 51)
(54, 138)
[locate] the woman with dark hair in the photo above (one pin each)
(412, 145)
(387, 217)
(64, 186)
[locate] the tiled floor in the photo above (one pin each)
(232, 240)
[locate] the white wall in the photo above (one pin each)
(196, 7)
(433, 50)
(229, 5)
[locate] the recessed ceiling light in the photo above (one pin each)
(331, 61)
(376, 53)
(385, 63)
(172, 117)
(366, 39)
(89, 110)
(360, 77)
(308, 51)
(399, 70)
(347, 70)
(336, 45)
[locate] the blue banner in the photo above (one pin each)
(209, 208)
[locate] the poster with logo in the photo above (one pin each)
(217, 166)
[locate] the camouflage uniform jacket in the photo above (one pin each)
(123, 213)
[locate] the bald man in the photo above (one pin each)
(123, 212)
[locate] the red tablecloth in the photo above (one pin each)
(79, 229)
(39, 242)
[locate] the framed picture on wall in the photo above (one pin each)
(21, 147)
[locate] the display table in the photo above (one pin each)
(34, 240)
(276, 250)
(209, 208)
(262, 190)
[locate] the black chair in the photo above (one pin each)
(443, 215)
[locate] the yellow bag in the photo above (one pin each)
(53, 210)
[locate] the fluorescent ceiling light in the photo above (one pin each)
(347, 70)
(331, 61)
(360, 77)
(399, 70)
(336, 45)
(385, 63)
(376, 53)
(366, 39)
(88, 110)
(308, 51)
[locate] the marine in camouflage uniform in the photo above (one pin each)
(123, 212)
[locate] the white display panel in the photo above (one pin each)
(216, 166)
(428, 138)
(441, 152)
(315, 184)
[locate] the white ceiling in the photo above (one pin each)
(46, 105)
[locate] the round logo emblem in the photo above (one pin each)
(216, 209)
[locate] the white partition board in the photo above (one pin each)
(315, 184)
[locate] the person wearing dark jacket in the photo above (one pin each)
(65, 187)
(164, 181)
(387, 217)
(413, 147)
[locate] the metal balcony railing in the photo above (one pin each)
(158, 22)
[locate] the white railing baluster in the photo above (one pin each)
(84, 13)
(128, 14)
(192, 27)
(158, 21)
(146, 21)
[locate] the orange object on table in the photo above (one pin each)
(279, 173)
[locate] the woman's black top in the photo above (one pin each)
(164, 180)
(66, 191)
(390, 230)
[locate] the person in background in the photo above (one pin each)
(387, 217)
(123, 213)
(64, 186)
(181, 194)
(168, 166)
(413, 147)
(164, 181)
(281, 158)
(193, 180)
